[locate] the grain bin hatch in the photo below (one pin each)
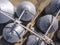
(29, 13)
(45, 21)
(53, 7)
(34, 40)
(12, 32)
(7, 8)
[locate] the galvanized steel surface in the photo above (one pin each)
(29, 13)
(7, 7)
(12, 32)
(45, 21)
